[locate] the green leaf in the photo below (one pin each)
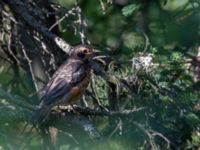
(130, 9)
(192, 119)
(176, 56)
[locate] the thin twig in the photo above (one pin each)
(88, 111)
(102, 6)
(81, 25)
(66, 15)
(119, 124)
(155, 133)
(150, 136)
(10, 50)
(9, 16)
(30, 66)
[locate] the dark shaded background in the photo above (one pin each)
(154, 49)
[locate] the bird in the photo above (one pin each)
(67, 84)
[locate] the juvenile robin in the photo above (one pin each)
(68, 83)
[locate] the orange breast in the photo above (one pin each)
(77, 91)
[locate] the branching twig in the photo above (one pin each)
(81, 25)
(66, 15)
(155, 133)
(150, 136)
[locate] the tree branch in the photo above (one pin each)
(22, 12)
(89, 111)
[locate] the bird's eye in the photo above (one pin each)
(85, 51)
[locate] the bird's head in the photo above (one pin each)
(82, 52)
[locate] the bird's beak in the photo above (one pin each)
(97, 56)
(96, 52)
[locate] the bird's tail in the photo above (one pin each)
(40, 115)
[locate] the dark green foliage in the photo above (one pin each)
(165, 31)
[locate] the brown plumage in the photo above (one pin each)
(68, 83)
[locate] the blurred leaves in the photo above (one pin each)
(130, 9)
(153, 67)
(192, 119)
(176, 56)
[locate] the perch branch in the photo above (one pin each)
(83, 123)
(88, 111)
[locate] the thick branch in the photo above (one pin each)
(62, 122)
(59, 121)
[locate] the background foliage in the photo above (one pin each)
(154, 46)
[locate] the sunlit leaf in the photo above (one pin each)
(130, 9)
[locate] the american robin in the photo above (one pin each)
(68, 83)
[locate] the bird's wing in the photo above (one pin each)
(67, 76)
